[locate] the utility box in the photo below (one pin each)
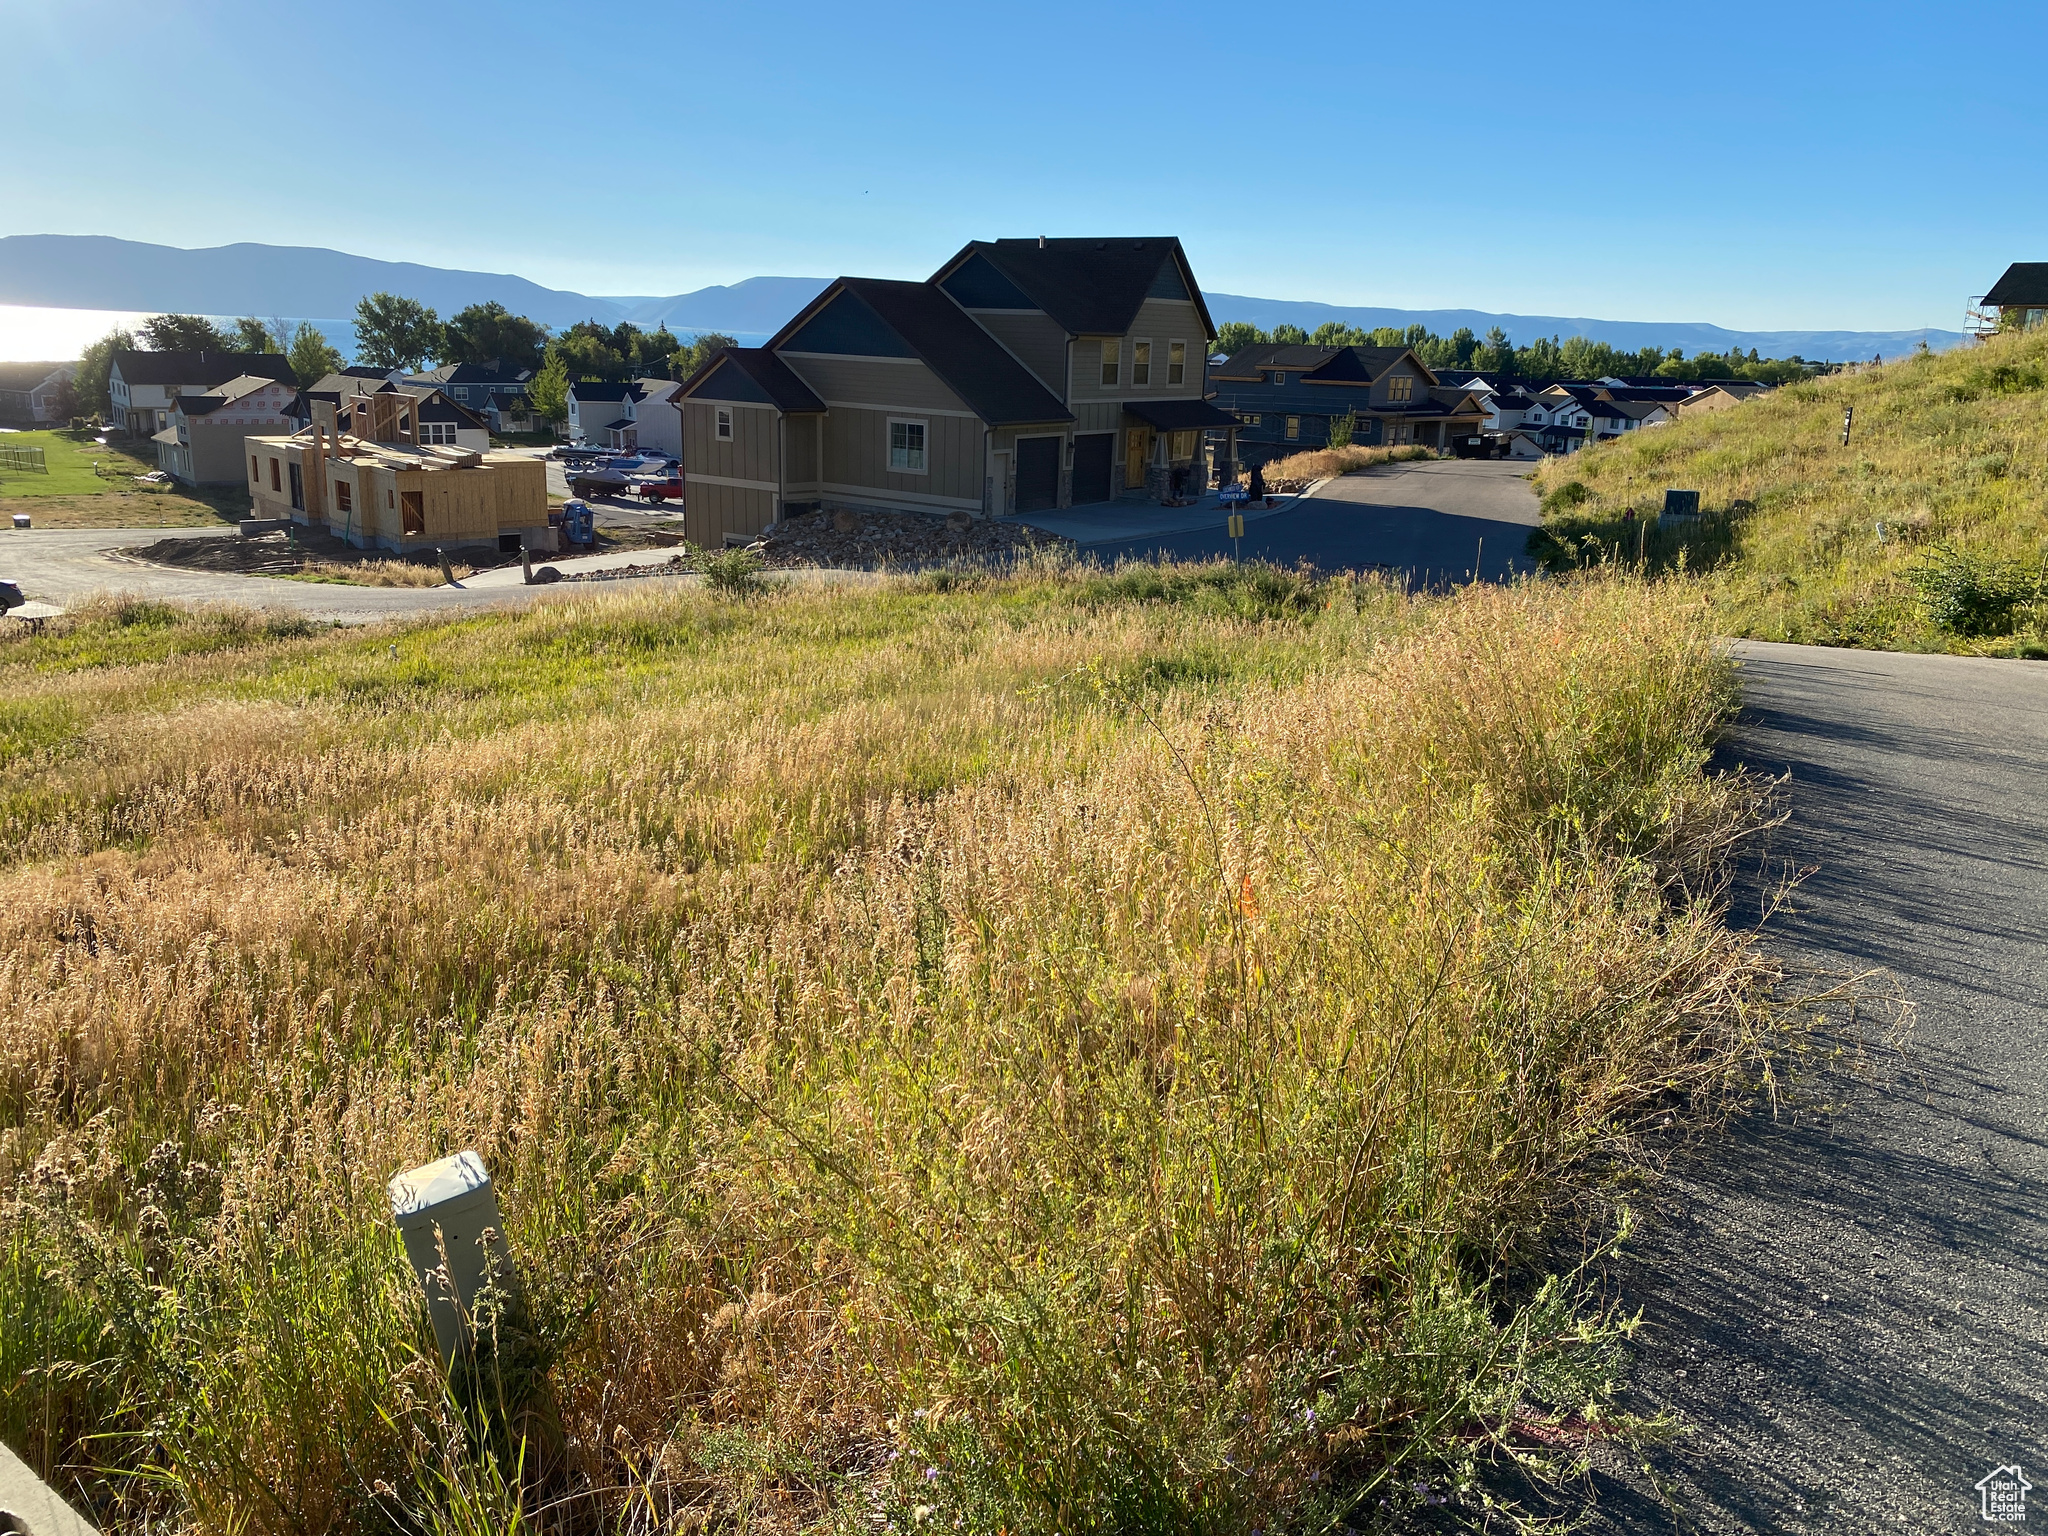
(1681, 503)
(450, 1206)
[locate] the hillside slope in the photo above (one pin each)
(1927, 532)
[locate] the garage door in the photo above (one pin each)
(1038, 474)
(1093, 456)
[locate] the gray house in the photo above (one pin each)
(1024, 375)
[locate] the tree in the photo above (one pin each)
(700, 351)
(487, 332)
(1341, 428)
(64, 401)
(1290, 335)
(392, 332)
(252, 335)
(1233, 336)
(185, 333)
(549, 389)
(311, 357)
(93, 368)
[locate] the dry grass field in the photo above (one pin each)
(1077, 1051)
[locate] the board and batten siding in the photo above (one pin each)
(800, 454)
(750, 455)
(1161, 322)
(857, 459)
(711, 513)
(1039, 342)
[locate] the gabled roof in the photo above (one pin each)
(29, 376)
(205, 369)
(2025, 282)
(601, 389)
(493, 372)
(775, 378)
(360, 371)
(1317, 365)
(1633, 410)
(1090, 287)
(227, 394)
(947, 340)
(1650, 391)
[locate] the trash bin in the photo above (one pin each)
(21, 519)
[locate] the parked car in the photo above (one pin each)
(11, 595)
(660, 490)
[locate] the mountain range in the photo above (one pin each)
(310, 282)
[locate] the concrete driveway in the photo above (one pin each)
(1437, 520)
(1848, 1305)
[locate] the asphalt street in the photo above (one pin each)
(1435, 520)
(1847, 1304)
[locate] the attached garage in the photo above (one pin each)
(1038, 474)
(1094, 453)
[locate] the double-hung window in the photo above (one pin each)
(907, 447)
(1112, 363)
(1141, 363)
(1176, 362)
(724, 428)
(1401, 387)
(1293, 428)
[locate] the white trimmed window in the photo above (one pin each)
(1176, 362)
(1112, 363)
(907, 447)
(1279, 378)
(432, 432)
(724, 427)
(1401, 386)
(1141, 363)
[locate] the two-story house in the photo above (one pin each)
(641, 413)
(474, 384)
(203, 443)
(30, 393)
(142, 385)
(441, 422)
(1286, 396)
(1022, 376)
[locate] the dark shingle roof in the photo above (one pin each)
(1090, 287)
(2025, 282)
(972, 363)
(599, 389)
(27, 376)
(495, 372)
(203, 368)
(1328, 365)
(775, 377)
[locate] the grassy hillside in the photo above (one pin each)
(88, 484)
(1079, 1052)
(1929, 531)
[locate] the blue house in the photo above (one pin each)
(1285, 397)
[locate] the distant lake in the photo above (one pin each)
(33, 335)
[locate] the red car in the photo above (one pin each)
(661, 490)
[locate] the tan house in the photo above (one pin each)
(203, 443)
(1023, 376)
(366, 476)
(1718, 397)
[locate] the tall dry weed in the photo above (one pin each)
(1065, 1055)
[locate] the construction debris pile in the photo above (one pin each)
(873, 540)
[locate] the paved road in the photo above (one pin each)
(65, 565)
(1434, 519)
(1851, 1308)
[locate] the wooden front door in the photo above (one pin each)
(1137, 454)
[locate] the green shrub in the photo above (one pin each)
(735, 573)
(1973, 595)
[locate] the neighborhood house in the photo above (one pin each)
(142, 385)
(31, 394)
(203, 443)
(639, 414)
(1286, 397)
(1024, 375)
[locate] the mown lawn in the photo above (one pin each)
(92, 485)
(1928, 531)
(1080, 1051)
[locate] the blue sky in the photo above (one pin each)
(1757, 166)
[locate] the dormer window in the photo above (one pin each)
(1401, 387)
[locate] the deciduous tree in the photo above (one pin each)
(185, 333)
(311, 356)
(486, 332)
(394, 332)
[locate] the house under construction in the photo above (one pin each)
(366, 477)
